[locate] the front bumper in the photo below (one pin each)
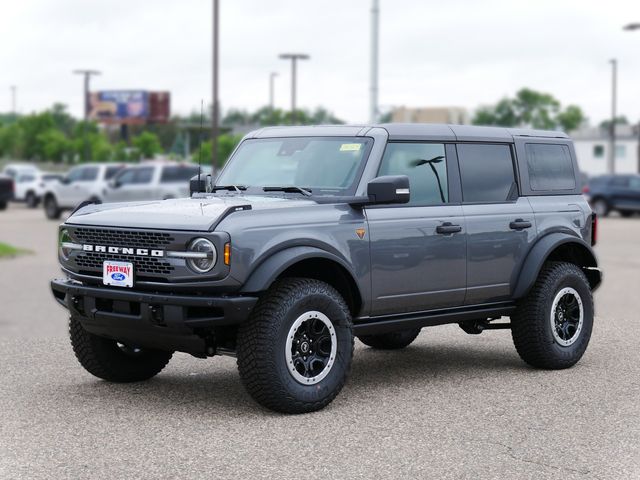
(153, 320)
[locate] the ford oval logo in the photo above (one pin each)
(118, 277)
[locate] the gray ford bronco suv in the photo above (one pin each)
(312, 236)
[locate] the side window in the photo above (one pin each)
(75, 174)
(620, 182)
(90, 174)
(550, 167)
(143, 175)
(126, 177)
(634, 183)
(425, 165)
(178, 173)
(110, 172)
(487, 173)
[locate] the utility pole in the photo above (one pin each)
(13, 100)
(215, 105)
(611, 167)
(294, 57)
(272, 77)
(373, 99)
(630, 28)
(87, 80)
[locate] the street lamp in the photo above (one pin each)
(294, 57)
(272, 77)
(87, 74)
(611, 167)
(214, 113)
(630, 28)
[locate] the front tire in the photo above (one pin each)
(552, 325)
(51, 209)
(32, 200)
(3, 205)
(390, 341)
(113, 361)
(295, 352)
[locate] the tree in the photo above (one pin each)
(147, 144)
(530, 108)
(226, 144)
(55, 145)
(606, 124)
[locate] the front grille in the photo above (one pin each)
(143, 265)
(128, 238)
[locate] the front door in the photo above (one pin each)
(418, 250)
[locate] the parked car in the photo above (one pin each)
(313, 236)
(31, 185)
(609, 193)
(151, 181)
(14, 170)
(6, 190)
(83, 183)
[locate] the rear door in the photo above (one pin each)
(418, 249)
(500, 223)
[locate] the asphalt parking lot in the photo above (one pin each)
(449, 406)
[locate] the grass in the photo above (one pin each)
(7, 251)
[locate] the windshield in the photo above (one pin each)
(323, 165)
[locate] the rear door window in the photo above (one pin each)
(487, 173)
(143, 175)
(110, 172)
(550, 167)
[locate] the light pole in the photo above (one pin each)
(215, 105)
(87, 74)
(294, 57)
(373, 99)
(13, 99)
(631, 27)
(272, 77)
(611, 167)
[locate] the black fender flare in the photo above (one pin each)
(261, 278)
(539, 254)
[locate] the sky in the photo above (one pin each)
(463, 53)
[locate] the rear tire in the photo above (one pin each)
(601, 207)
(114, 362)
(295, 352)
(626, 213)
(390, 341)
(32, 200)
(51, 209)
(552, 326)
(3, 205)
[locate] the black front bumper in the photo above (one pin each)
(153, 320)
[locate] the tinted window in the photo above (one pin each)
(178, 173)
(111, 171)
(487, 173)
(598, 151)
(11, 172)
(26, 178)
(425, 165)
(550, 167)
(90, 174)
(143, 175)
(634, 183)
(126, 177)
(620, 182)
(75, 174)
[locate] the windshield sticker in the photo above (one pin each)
(350, 147)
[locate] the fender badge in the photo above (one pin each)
(360, 232)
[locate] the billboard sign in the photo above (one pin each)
(119, 106)
(159, 107)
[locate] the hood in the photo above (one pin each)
(195, 214)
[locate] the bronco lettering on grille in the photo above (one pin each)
(141, 252)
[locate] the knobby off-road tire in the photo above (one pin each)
(295, 351)
(552, 325)
(51, 209)
(110, 361)
(390, 341)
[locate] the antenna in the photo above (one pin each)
(200, 149)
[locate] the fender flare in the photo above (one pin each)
(539, 254)
(261, 278)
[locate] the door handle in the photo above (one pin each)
(448, 228)
(519, 224)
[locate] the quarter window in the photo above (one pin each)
(426, 166)
(550, 167)
(598, 151)
(487, 173)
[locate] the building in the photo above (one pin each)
(455, 115)
(592, 149)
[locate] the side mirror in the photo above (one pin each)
(390, 189)
(197, 184)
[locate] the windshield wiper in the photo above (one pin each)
(231, 188)
(290, 189)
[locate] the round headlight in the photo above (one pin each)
(205, 255)
(64, 240)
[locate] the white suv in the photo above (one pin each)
(152, 181)
(83, 183)
(31, 185)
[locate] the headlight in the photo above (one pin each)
(64, 244)
(204, 255)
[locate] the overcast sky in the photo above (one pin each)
(432, 53)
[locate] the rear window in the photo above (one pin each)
(550, 167)
(111, 171)
(178, 173)
(487, 173)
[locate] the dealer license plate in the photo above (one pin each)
(117, 274)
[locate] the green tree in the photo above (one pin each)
(226, 144)
(531, 109)
(12, 141)
(32, 126)
(55, 145)
(147, 144)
